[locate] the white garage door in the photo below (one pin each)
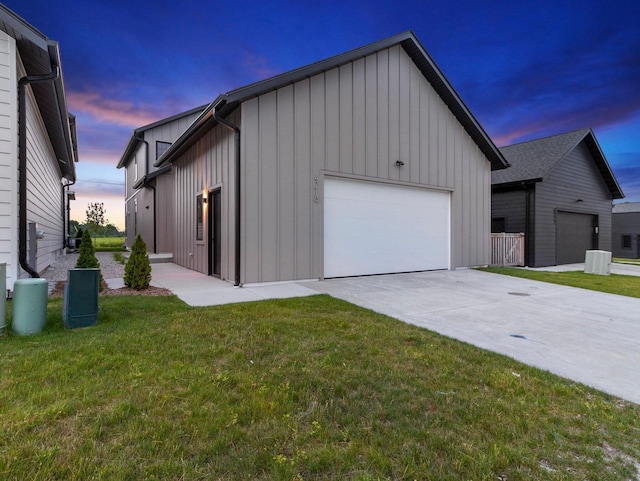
(374, 228)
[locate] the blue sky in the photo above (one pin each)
(525, 69)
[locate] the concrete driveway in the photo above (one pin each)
(586, 336)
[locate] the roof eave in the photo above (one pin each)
(227, 102)
(197, 128)
(52, 94)
(604, 167)
(131, 147)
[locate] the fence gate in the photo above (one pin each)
(507, 249)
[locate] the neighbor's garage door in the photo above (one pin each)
(374, 228)
(575, 234)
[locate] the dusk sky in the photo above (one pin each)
(525, 69)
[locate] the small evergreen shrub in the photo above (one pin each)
(87, 257)
(137, 271)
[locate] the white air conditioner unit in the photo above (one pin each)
(597, 262)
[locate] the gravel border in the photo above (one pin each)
(111, 269)
(56, 272)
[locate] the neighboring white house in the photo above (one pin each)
(38, 149)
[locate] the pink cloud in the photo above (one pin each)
(118, 112)
(100, 156)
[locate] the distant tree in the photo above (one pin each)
(137, 271)
(87, 257)
(96, 218)
(74, 225)
(111, 230)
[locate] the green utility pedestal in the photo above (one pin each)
(80, 306)
(29, 306)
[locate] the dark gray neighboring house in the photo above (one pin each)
(558, 192)
(625, 238)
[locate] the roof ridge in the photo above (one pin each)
(585, 130)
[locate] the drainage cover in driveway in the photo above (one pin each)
(518, 293)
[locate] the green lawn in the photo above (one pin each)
(623, 260)
(108, 244)
(612, 284)
(308, 388)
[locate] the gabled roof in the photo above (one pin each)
(532, 161)
(135, 138)
(225, 103)
(39, 56)
(626, 207)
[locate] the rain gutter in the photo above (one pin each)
(22, 161)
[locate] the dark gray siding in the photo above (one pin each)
(510, 205)
(626, 223)
(573, 185)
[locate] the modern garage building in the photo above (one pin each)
(625, 238)
(364, 163)
(558, 192)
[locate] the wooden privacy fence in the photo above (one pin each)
(507, 249)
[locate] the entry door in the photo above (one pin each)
(215, 232)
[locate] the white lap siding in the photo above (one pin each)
(44, 187)
(8, 158)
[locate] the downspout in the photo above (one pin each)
(65, 198)
(22, 161)
(236, 131)
(146, 172)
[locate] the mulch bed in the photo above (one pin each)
(58, 291)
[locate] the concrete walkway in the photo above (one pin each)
(616, 268)
(199, 290)
(587, 336)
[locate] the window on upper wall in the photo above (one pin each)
(199, 219)
(626, 241)
(135, 168)
(161, 148)
(498, 225)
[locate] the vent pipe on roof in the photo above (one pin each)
(22, 161)
(236, 131)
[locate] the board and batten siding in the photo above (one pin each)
(165, 212)
(167, 132)
(355, 120)
(8, 157)
(575, 177)
(206, 166)
(139, 166)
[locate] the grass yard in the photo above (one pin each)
(108, 244)
(612, 284)
(307, 388)
(622, 260)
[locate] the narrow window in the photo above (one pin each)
(498, 225)
(626, 241)
(161, 148)
(199, 219)
(135, 168)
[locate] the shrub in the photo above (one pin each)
(87, 257)
(137, 271)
